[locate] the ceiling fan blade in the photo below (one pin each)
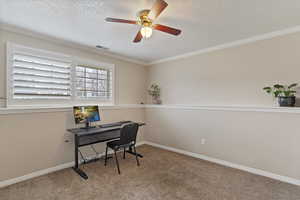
(138, 37)
(108, 19)
(167, 29)
(157, 8)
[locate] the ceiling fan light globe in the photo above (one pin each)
(146, 32)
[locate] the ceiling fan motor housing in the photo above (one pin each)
(143, 18)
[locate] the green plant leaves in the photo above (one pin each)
(277, 93)
(289, 93)
(154, 90)
(292, 85)
(268, 89)
(277, 86)
(281, 90)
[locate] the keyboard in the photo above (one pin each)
(114, 124)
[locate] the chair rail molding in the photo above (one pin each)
(233, 108)
(237, 108)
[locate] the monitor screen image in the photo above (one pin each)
(85, 114)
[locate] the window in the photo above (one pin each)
(93, 82)
(37, 77)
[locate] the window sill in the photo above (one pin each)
(61, 108)
(68, 108)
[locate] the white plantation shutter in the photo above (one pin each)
(37, 77)
(93, 82)
(41, 78)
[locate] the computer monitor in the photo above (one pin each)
(86, 115)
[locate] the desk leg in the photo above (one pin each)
(133, 153)
(76, 167)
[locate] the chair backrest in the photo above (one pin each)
(128, 133)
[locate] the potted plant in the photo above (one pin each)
(284, 93)
(154, 91)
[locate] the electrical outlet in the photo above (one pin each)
(68, 138)
(203, 141)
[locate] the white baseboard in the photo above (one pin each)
(230, 164)
(45, 171)
(203, 157)
(35, 174)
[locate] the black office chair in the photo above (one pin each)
(127, 139)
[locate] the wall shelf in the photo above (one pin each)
(230, 108)
(60, 108)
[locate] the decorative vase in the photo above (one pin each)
(287, 101)
(156, 100)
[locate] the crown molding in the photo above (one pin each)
(231, 44)
(60, 41)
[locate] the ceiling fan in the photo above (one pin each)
(145, 20)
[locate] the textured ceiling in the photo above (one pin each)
(205, 23)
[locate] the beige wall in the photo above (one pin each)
(266, 141)
(234, 76)
(130, 77)
(35, 141)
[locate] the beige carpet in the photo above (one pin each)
(162, 175)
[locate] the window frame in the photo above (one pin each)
(73, 100)
(97, 65)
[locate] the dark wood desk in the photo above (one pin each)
(85, 137)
